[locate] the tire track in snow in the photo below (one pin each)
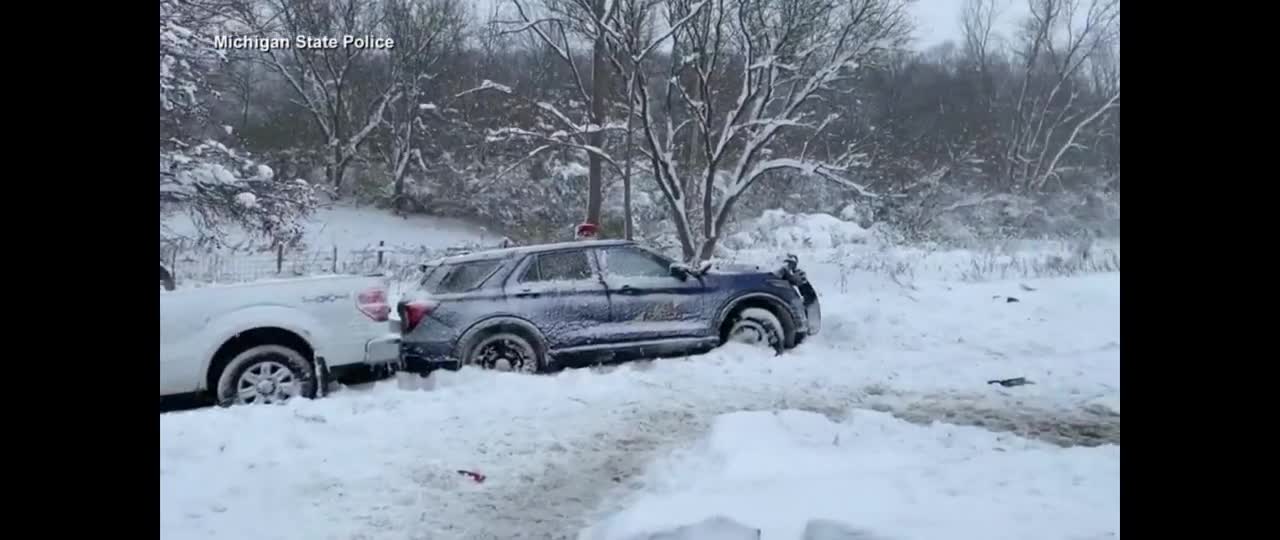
(585, 477)
(1084, 427)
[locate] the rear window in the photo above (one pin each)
(460, 277)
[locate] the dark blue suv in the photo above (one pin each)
(550, 306)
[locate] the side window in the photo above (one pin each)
(632, 262)
(464, 277)
(561, 266)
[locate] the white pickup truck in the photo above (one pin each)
(268, 341)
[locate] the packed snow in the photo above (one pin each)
(915, 443)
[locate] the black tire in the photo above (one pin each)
(505, 350)
(758, 326)
(287, 372)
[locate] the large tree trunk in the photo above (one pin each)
(599, 85)
(626, 175)
(337, 169)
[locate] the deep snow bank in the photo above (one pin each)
(843, 250)
(777, 471)
(782, 230)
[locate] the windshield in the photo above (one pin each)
(665, 259)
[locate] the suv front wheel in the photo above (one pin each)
(759, 327)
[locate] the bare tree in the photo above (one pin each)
(977, 24)
(1058, 40)
(323, 78)
(425, 33)
(785, 54)
(559, 24)
(634, 23)
(214, 183)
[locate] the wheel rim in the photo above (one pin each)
(267, 382)
(505, 354)
(751, 333)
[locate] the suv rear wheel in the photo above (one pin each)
(505, 351)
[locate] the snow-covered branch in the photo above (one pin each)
(788, 53)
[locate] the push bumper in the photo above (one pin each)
(423, 358)
(381, 355)
(808, 295)
(382, 350)
(812, 308)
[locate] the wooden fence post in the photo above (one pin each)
(335, 258)
(381, 243)
(279, 258)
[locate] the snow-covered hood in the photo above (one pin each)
(738, 268)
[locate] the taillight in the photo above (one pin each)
(413, 312)
(373, 304)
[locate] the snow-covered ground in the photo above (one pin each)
(874, 475)
(900, 372)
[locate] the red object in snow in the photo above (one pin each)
(479, 478)
(587, 231)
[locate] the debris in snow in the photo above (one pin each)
(1026, 287)
(247, 200)
(1007, 299)
(477, 477)
(1008, 383)
(315, 419)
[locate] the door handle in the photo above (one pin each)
(527, 294)
(627, 289)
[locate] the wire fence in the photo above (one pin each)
(198, 265)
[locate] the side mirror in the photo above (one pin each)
(679, 272)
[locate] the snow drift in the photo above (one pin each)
(782, 230)
(879, 476)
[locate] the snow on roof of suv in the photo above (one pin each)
(502, 253)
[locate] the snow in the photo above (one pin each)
(779, 229)
(353, 228)
(776, 471)
(571, 169)
(646, 445)
(247, 200)
(490, 85)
